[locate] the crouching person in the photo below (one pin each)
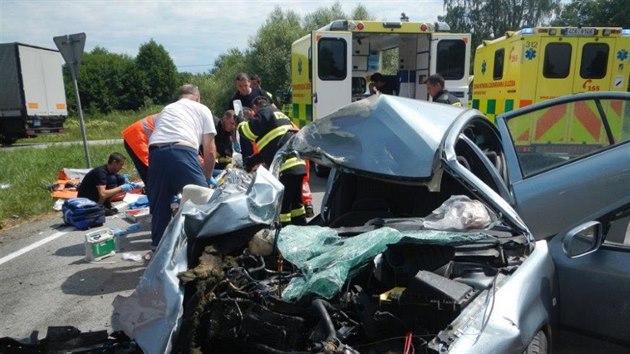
(103, 183)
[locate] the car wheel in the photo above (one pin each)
(321, 171)
(538, 345)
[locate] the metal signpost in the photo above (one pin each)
(71, 49)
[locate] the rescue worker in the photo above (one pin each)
(136, 141)
(256, 83)
(245, 93)
(270, 129)
(435, 87)
(379, 84)
(103, 183)
(224, 140)
(184, 126)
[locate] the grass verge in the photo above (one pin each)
(27, 172)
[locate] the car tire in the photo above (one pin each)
(321, 171)
(538, 345)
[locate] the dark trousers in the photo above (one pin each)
(292, 211)
(140, 166)
(170, 169)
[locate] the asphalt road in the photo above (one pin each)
(46, 281)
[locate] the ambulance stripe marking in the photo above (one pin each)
(616, 106)
(524, 103)
(551, 117)
(524, 136)
(589, 120)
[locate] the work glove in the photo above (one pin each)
(251, 161)
(212, 182)
(127, 187)
(125, 178)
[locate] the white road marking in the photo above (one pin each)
(32, 246)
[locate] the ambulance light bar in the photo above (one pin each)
(625, 32)
(527, 31)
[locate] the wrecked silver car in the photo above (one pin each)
(413, 251)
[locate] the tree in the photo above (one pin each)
(102, 81)
(486, 19)
(218, 87)
(270, 54)
(323, 16)
(597, 13)
(158, 71)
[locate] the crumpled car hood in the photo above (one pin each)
(371, 135)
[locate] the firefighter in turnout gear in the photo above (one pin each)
(270, 129)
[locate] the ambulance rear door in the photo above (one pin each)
(556, 66)
(595, 58)
(451, 59)
(332, 71)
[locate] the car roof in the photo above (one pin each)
(381, 135)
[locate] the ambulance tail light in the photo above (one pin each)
(527, 31)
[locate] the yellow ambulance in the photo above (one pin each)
(537, 64)
(331, 66)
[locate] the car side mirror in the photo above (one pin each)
(583, 239)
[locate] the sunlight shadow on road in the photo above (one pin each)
(99, 281)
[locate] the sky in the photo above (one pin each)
(194, 33)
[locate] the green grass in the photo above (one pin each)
(29, 171)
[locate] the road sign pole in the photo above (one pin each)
(71, 49)
(83, 133)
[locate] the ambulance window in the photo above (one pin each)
(451, 58)
(594, 60)
(557, 60)
(331, 59)
(499, 57)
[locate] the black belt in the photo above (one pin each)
(159, 146)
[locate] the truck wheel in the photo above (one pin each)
(321, 171)
(7, 141)
(538, 345)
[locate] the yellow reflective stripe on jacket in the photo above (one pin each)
(291, 162)
(298, 212)
(244, 128)
(285, 217)
(274, 133)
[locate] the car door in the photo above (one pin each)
(558, 181)
(594, 288)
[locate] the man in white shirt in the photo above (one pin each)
(183, 127)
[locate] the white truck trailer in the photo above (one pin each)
(32, 93)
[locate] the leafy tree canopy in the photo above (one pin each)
(600, 13)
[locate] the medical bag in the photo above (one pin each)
(83, 213)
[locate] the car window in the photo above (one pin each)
(617, 228)
(556, 135)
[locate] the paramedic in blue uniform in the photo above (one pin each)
(270, 129)
(183, 127)
(102, 183)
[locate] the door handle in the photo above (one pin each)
(314, 97)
